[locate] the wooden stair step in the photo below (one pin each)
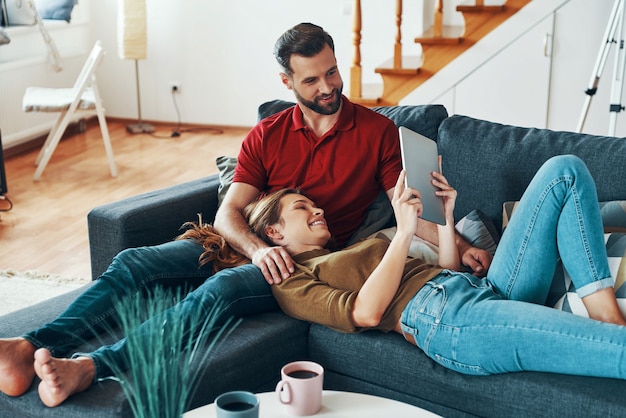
(480, 9)
(478, 6)
(411, 65)
(449, 35)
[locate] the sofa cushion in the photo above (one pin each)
(386, 365)
(490, 163)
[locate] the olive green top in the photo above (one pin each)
(325, 285)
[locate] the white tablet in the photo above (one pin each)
(419, 159)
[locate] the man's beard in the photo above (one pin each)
(329, 109)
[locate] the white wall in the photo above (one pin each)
(220, 51)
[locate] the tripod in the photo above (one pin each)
(614, 29)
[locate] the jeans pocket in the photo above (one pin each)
(423, 313)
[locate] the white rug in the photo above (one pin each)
(19, 289)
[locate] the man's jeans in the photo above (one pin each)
(241, 290)
(499, 324)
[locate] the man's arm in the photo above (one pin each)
(477, 259)
(274, 262)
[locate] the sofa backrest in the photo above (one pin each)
(424, 119)
(490, 163)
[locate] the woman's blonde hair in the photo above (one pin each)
(259, 215)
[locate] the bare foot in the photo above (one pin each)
(602, 306)
(16, 366)
(61, 378)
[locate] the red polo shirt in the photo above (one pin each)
(342, 172)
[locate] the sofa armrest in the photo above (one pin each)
(147, 219)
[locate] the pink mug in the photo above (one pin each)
(300, 387)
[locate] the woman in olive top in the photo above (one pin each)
(474, 326)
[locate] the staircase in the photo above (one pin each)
(441, 44)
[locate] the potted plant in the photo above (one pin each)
(162, 376)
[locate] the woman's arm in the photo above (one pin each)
(381, 286)
(448, 249)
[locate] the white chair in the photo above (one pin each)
(83, 96)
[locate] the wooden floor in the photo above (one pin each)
(47, 228)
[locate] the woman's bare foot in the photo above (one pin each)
(61, 378)
(16, 366)
(602, 306)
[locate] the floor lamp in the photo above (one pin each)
(132, 44)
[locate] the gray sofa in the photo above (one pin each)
(487, 162)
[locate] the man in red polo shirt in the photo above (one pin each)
(342, 155)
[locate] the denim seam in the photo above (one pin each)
(589, 338)
(531, 225)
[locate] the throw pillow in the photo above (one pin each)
(419, 248)
(226, 167)
(476, 228)
(613, 215)
(56, 9)
(564, 291)
(479, 231)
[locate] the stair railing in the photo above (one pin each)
(356, 71)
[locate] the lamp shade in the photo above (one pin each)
(132, 33)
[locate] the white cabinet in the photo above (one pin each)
(514, 86)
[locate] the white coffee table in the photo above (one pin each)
(334, 404)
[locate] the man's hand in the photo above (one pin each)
(477, 260)
(275, 263)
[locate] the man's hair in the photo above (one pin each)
(305, 39)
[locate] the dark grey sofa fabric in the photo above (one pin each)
(489, 163)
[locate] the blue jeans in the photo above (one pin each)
(242, 291)
(499, 324)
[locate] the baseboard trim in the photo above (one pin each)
(73, 128)
(80, 125)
